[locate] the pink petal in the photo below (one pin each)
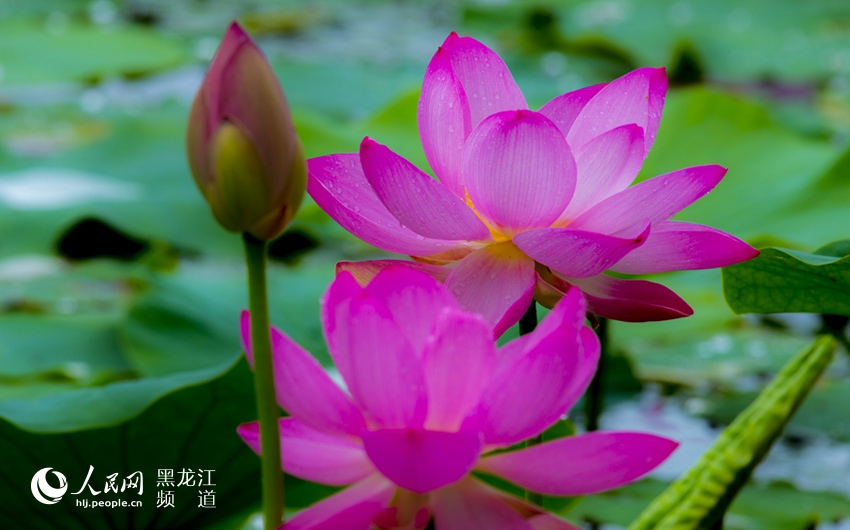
(419, 202)
(303, 387)
(677, 245)
(534, 515)
(458, 362)
(511, 351)
(420, 460)
(546, 521)
(578, 253)
(469, 505)
(250, 434)
(245, 334)
(564, 109)
(583, 464)
(486, 80)
(605, 165)
(380, 367)
(587, 363)
(241, 88)
(336, 300)
(497, 282)
(637, 97)
(655, 199)
(217, 82)
(410, 511)
(365, 271)
(631, 300)
(314, 455)
(464, 83)
(339, 187)
(444, 120)
(518, 170)
(526, 397)
(353, 508)
(414, 298)
(569, 312)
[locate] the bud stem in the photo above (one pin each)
(267, 408)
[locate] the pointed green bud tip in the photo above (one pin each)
(241, 143)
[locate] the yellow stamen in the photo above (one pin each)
(495, 234)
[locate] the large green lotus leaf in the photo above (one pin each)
(824, 412)
(76, 347)
(76, 370)
(395, 126)
(769, 166)
(42, 7)
(796, 41)
(182, 330)
(80, 52)
(60, 329)
(702, 291)
(344, 89)
(776, 506)
(321, 136)
(62, 409)
(134, 176)
(130, 174)
(191, 320)
(181, 324)
(700, 498)
(713, 343)
(789, 281)
(721, 359)
(192, 429)
(822, 205)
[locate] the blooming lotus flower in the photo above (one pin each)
(429, 398)
(243, 151)
(528, 203)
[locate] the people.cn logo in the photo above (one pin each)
(44, 492)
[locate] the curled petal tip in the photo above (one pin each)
(453, 36)
(235, 31)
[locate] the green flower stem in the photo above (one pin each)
(526, 325)
(596, 392)
(267, 408)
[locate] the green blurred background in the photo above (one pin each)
(119, 296)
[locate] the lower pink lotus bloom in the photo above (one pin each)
(429, 398)
(528, 203)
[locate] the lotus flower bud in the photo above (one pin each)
(243, 150)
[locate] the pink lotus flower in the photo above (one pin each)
(528, 203)
(429, 398)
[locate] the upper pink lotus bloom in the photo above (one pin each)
(528, 203)
(429, 398)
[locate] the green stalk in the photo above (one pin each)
(596, 392)
(529, 320)
(267, 408)
(527, 324)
